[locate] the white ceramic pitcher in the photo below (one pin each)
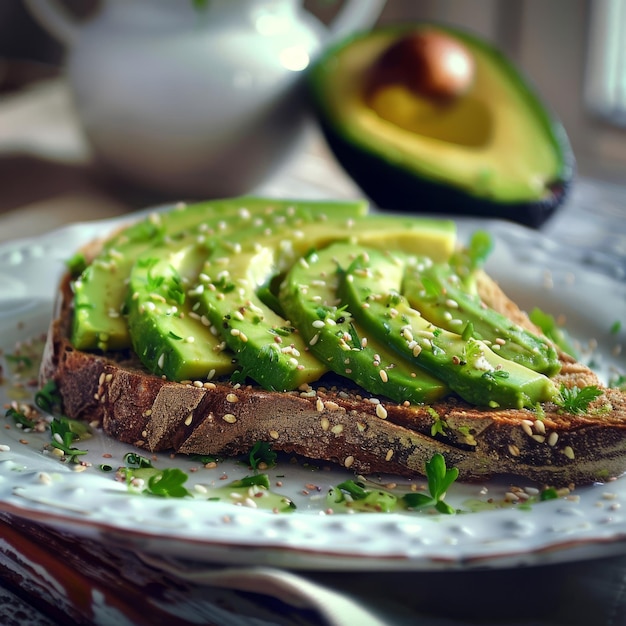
(193, 101)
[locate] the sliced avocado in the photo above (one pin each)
(437, 291)
(100, 291)
(167, 331)
(267, 347)
(309, 297)
(371, 288)
(168, 336)
(492, 150)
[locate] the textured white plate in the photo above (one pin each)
(533, 270)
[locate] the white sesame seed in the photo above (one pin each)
(381, 411)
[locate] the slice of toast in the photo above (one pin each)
(336, 422)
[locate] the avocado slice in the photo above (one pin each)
(492, 151)
(437, 291)
(268, 348)
(100, 291)
(371, 288)
(167, 331)
(309, 297)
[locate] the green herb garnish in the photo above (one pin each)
(168, 484)
(439, 480)
(76, 264)
(64, 433)
(134, 460)
(549, 327)
(576, 400)
(20, 418)
(262, 453)
(480, 247)
(48, 397)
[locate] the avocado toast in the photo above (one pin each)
(369, 341)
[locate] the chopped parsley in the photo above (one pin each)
(64, 433)
(262, 453)
(354, 495)
(20, 418)
(576, 400)
(439, 479)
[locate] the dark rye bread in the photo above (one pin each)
(332, 422)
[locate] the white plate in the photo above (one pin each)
(33, 484)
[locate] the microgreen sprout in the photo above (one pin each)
(439, 479)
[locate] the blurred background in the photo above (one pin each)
(572, 51)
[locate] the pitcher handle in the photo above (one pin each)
(355, 15)
(55, 19)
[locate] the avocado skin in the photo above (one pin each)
(391, 187)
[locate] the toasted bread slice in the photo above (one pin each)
(337, 423)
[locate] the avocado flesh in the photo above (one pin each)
(371, 288)
(267, 347)
(100, 292)
(437, 291)
(167, 331)
(309, 297)
(495, 151)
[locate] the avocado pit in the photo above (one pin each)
(428, 63)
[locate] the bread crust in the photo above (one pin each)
(338, 424)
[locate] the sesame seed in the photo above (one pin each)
(349, 460)
(514, 450)
(273, 434)
(553, 438)
(389, 455)
(229, 417)
(325, 424)
(318, 324)
(568, 452)
(384, 376)
(337, 429)
(189, 419)
(381, 411)
(319, 405)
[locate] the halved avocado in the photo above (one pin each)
(491, 150)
